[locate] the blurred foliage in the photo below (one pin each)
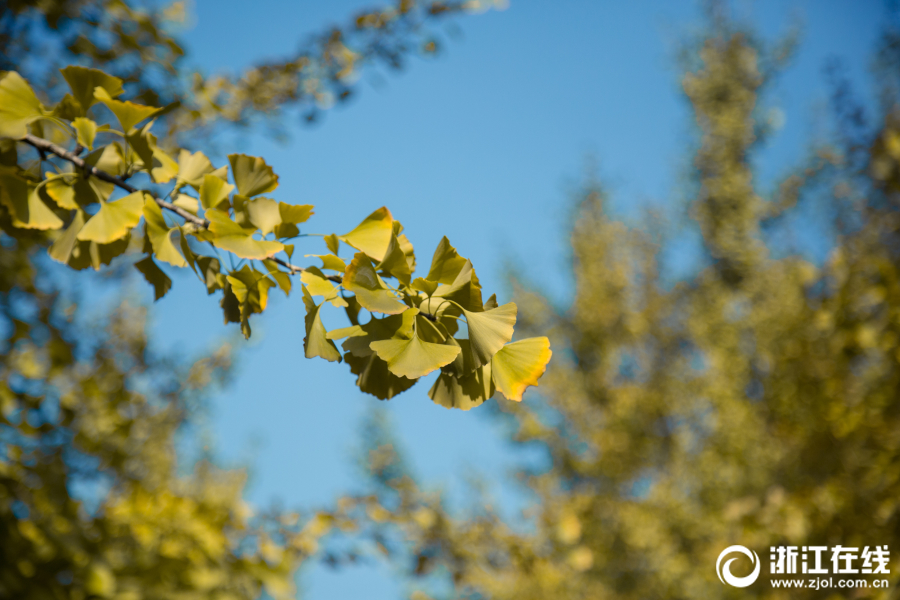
(753, 402)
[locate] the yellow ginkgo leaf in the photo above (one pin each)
(519, 365)
(114, 219)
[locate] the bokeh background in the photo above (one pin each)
(488, 139)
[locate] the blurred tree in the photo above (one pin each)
(756, 402)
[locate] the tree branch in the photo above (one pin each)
(45, 146)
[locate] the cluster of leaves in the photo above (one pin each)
(755, 401)
(236, 241)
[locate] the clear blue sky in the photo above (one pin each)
(481, 145)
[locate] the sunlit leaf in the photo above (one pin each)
(413, 358)
(62, 248)
(161, 166)
(446, 263)
(489, 331)
(114, 219)
(188, 203)
(252, 175)
(24, 202)
(361, 279)
(235, 239)
(214, 191)
(317, 285)
(161, 236)
(333, 243)
(394, 262)
(373, 235)
(128, 114)
(491, 302)
(18, 106)
(520, 364)
(83, 81)
(375, 378)
(465, 289)
(264, 214)
(315, 343)
(393, 326)
(85, 131)
(330, 262)
(295, 213)
(423, 285)
(193, 168)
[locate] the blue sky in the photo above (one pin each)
(480, 144)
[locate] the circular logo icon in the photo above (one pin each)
(724, 571)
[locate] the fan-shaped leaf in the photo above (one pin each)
(60, 190)
(235, 239)
(129, 114)
(83, 81)
(414, 358)
(373, 235)
(192, 168)
(330, 262)
(295, 213)
(361, 279)
(463, 393)
(465, 289)
(114, 219)
(395, 262)
(160, 235)
(85, 131)
(24, 202)
(264, 214)
(18, 106)
(317, 285)
(214, 191)
(375, 378)
(519, 365)
(489, 331)
(315, 343)
(446, 263)
(252, 175)
(154, 276)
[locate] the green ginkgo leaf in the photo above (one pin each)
(491, 302)
(423, 285)
(251, 288)
(83, 81)
(446, 263)
(64, 246)
(188, 203)
(154, 276)
(252, 175)
(25, 204)
(18, 106)
(295, 213)
(214, 191)
(210, 270)
(114, 219)
(361, 279)
(192, 168)
(264, 214)
(317, 285)
(129, 114)
(160, 235)
(393, 326)
(333, 243)
(395, 262)
(281, 278)
(158, 163)
(465, 289)
(373, 235)
(315, 343)
(463, 393)
(85, 132)
(60, 190)
(414, 358)
(519, 365)
(330, 262)
(375, 378)
(235, 239)
(489, 331)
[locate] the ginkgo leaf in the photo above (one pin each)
(315, 343)
(373, 235)
(83, 81)
(128, 114)
(394, 262)
(18, 106)
(27, 208)
(491, 302)
(281, 278)
(251, 288)
(62, 248)
(85, 131)
(60, 190)
(317, 285)
(214, 191)
(235, 239)
(210, 270)
(330, 262)
(188, 203)
(252, 175)
(161, 166)
(464, 363)
(295, 213)
(465, 289)
(154, 276)
(463, 393)
(264, 214)
(423, 285)
(114, 219)
(361, 279)
(160, 235)
(489, 331)
(519, 365)
(375, 378)
(394, 326)
(333, 243)
(446, 263)
(192, 168)
(414, 358)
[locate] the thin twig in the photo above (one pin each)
(43, 146)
